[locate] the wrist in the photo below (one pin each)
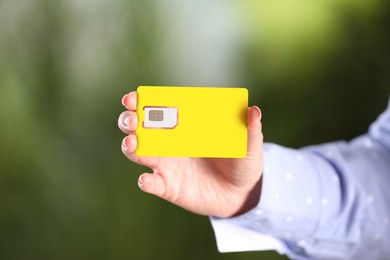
(250, 199)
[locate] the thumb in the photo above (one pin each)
(255, 136)
(152, 183)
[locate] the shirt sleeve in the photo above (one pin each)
(329, 201)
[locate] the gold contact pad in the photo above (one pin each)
(156, 115)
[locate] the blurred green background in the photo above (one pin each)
(319, 70)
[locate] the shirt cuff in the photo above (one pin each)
(233, 237)
(274, 220)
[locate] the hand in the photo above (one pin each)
(220, 187)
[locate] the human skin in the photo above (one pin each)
(221, 187)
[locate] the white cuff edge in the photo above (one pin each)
(231, 237)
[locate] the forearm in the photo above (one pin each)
(315, 201)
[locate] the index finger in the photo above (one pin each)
(130, 101)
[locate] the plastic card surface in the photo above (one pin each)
(192, 121)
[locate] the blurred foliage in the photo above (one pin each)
(319, 70)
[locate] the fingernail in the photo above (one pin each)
(124, 99)
(133, 121)
(124, 146)
(124, 121)
(140, 181)
(133, 143)
(258, 112)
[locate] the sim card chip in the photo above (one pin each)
(160, 117)
(156, 115)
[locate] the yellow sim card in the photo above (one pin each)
(192, 121)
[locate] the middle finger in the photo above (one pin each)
(128, 121)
